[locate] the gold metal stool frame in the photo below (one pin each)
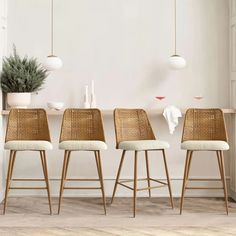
(148, 179)
(204, 124)
(127, 122)
(35, 127)
(64, 179)
(82, 124)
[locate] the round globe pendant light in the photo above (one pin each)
(176, 61)
(52, 62)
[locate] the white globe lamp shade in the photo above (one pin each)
(177, 62)
(53, 63)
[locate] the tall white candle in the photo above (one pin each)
(86, 92)
(93, 98)
(92, 87)
(86, 98)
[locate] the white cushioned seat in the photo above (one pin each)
(143, 145)
(206, 145)
(28, 145)
(84, 145)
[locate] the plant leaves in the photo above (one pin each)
(21, 74)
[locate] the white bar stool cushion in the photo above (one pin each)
(140, 145)
(84, 145)
(205, 145)
(21, 145)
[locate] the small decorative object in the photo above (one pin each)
(55, 105)
(20, 77)
(52, 62)
(198, 97)
(160, 97)
(93, 97)
(176, 62)
(86, 99)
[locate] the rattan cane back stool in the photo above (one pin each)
(82, 130)
(27, 130)
(134, 133)
(204, 130)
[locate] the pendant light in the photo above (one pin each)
(176, 62)
(52, 62)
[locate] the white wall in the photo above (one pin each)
(3, 49)
(124, 46)
(232, 77)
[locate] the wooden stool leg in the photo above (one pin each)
(13, 162)
(42, 161)
(168, 178)
(118, 175)
(189, 163)
(224, 181)
(65, 165)
(219, 164)
(148, 173)
(8, 180)
(184, 180)
(45, 172)
(135, 182)
(99, 168)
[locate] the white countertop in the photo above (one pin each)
(110, 111)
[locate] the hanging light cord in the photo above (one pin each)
(52, 29)
(175, 25)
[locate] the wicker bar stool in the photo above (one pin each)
(27, 130)
(82, 130)
(204, 130)
(134, 133)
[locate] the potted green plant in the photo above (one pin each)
(20, 77)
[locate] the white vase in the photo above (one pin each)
(86, 99)
(86, 103)
(18, 100)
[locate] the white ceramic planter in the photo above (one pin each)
(18, 100)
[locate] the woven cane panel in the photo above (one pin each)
(82, 124)
(27, 124)
(132, 124)
(204, 124)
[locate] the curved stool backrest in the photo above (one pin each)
(132, 124)
(82, 124)
(204, 124)
(27, 124)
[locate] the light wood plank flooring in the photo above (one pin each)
(84, 216)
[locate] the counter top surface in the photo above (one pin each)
(110, 111)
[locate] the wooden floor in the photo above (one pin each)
(80, 216)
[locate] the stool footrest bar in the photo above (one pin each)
(82, 188)
(141, 189)
(204, 179)
(204, 188)
(81, 179)
(131, 180)
(126, 186)
(144, 179)
(27, 188)
(27, 179)
(158, 181)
